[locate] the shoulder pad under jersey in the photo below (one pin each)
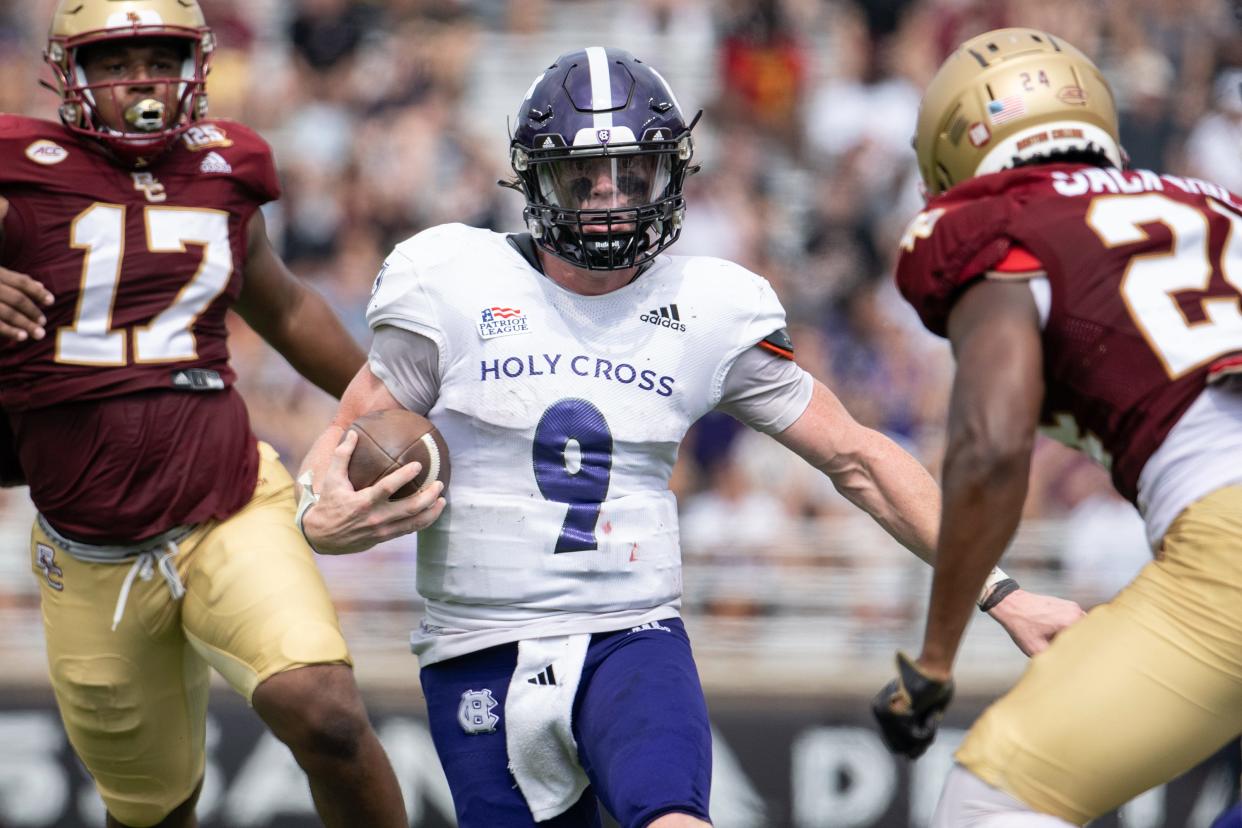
(223, 147)
(946, 248)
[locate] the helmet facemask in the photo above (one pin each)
(601, 152)
(149, 126)
(611, 207)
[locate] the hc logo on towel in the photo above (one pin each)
(475, 712)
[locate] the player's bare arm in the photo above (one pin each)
(876, 475)
(869, 469)
(21, 300)
(293, 318)
(344, 520)
(993, 416)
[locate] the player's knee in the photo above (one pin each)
(333, 732)
(317, 712)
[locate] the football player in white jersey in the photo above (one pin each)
(564, 367)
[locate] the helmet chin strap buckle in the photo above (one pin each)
(146, 116)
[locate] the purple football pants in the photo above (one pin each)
(639, 719)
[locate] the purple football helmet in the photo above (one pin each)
(601, 151)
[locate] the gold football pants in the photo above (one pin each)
(134, 700)
(1139, 691)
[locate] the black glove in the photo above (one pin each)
(909, 709)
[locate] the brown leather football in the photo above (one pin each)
(391, 438)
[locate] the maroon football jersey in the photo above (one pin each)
(125, 416)
(1145, 273)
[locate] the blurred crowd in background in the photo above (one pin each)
(389, 116)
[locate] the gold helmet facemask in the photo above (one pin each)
(1007, 96)
(151, 125)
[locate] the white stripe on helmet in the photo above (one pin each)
(601, 86)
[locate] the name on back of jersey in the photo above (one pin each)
(1097, 180)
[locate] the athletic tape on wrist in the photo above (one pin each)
(994, 577)
(998, 594)
(307, 500)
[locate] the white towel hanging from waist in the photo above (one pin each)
(543, 755)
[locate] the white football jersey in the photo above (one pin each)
(562, 414)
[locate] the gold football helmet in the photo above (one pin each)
(150, 129)
(1010, 95)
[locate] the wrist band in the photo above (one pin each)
(994, 577)
(307, 500)
(998, 594)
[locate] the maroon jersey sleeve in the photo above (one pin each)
(246, 155)
(946, 248)
(1137, 266)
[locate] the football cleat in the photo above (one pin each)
(1010, 96)
(601, 152)
(152, 126)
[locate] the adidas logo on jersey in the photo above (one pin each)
(214, 163)
(544, 677)
(666, 317)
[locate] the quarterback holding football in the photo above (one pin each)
(563, 366)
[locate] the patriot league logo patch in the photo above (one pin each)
(497, 321)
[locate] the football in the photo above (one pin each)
(388, 440)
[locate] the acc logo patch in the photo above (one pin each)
(475, 715)
(46, 152)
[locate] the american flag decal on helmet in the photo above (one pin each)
(1006, 109)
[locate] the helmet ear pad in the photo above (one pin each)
(1009, 97)
(602, 114)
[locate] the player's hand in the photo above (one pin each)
(21, 302)
(345, 520)
(910, 707)
(1033, 620)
